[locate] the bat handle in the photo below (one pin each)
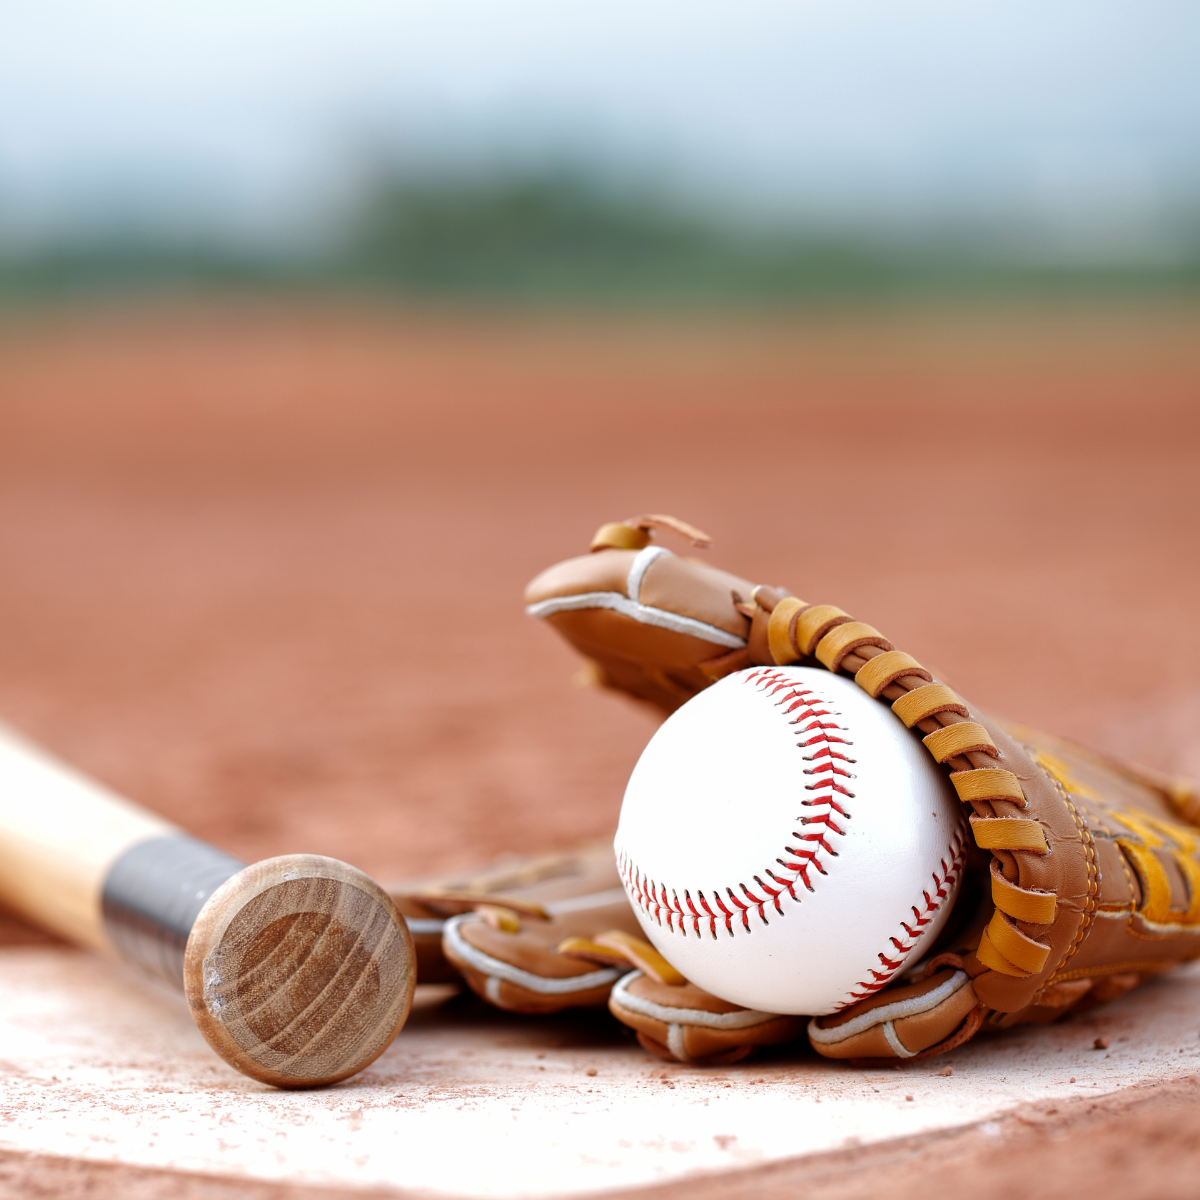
(153, 894)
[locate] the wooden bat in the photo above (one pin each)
(298, 970)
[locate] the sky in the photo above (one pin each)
(258, 116)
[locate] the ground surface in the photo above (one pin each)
(263, 565)
(470, 1102)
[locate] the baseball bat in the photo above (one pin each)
(298, 970)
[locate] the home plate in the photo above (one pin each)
(101, 1065)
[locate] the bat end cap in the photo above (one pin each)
(299, 971)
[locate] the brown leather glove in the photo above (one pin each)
(658, 627)
(557, 931)
(1087, 879)
(537, 887)
(529, 962)
(535, 935)
(680, 1022)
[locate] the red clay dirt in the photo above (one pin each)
(263, 563)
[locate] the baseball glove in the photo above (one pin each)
(1085, 880)
(511, 931)
(556, 931)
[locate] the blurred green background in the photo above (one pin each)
(664, 152)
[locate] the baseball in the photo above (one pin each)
(787, 844)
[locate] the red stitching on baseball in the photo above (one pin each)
(804, 709)
(814, 725)
(923, 914)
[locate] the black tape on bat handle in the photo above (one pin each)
(153, 894)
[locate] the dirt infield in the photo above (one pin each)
(264, 566)
(263, 563)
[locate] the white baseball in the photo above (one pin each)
(787, 844)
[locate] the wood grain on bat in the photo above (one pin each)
(299, 971)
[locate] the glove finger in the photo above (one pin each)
(523, 972)
(687, 1024)
(659, 627)
(902, 1022)
(537, 879)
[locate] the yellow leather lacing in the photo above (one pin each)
(988, 783)
(928, 701)
(797, 630)
(1009, 833)
(636, 533)
(1035, 908)
(842, 643)
(953, 741)
(844, 638)
(1004, 946)
(885, 669)
(781, 630)
(814, 622)
(617, 948)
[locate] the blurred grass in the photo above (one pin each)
(553, 237)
